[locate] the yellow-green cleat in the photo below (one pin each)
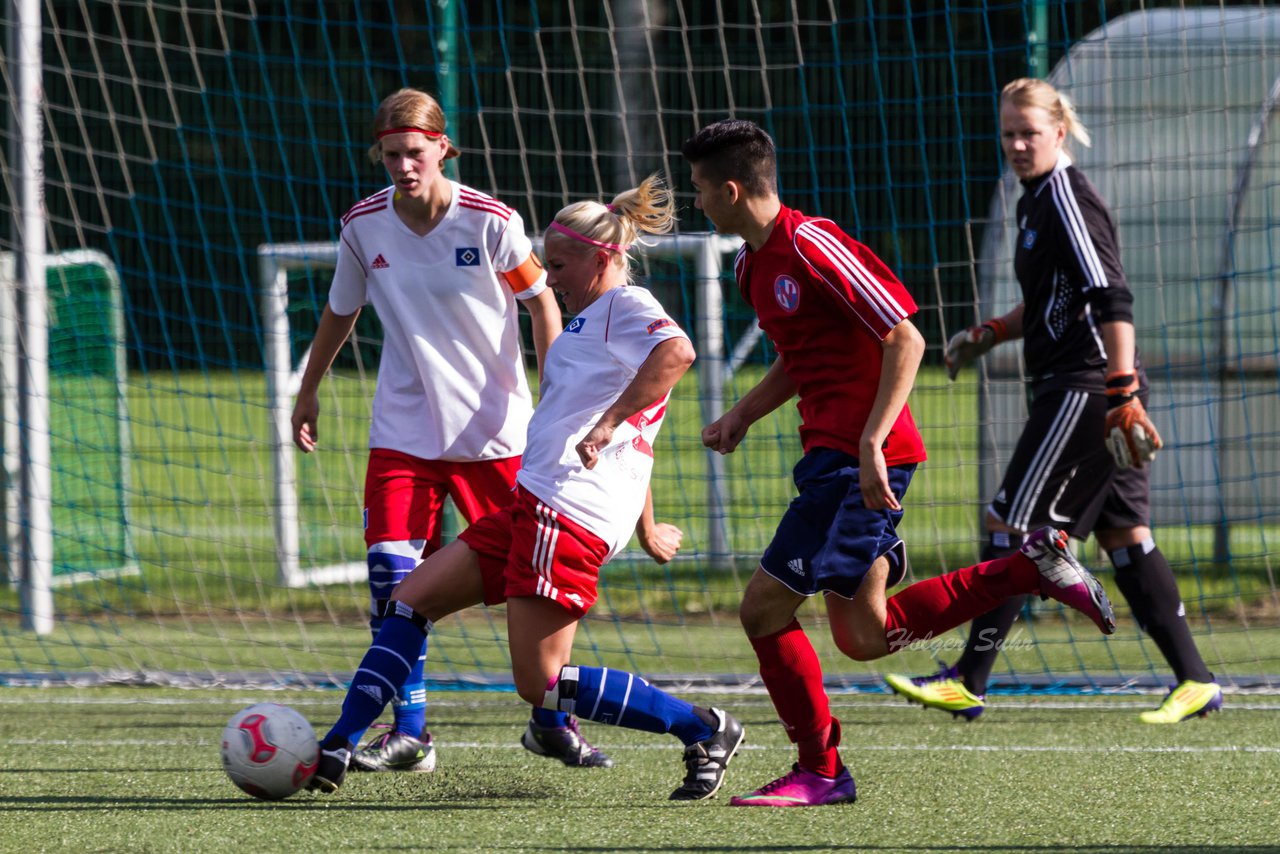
(1187, 700)
(943, 690)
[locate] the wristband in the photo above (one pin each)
(1121, 387)
(999, 330)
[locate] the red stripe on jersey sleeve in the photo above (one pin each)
(857, 278)
(480, 202)
(366, 205)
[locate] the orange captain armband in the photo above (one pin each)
(524, 276)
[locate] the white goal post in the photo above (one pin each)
(706, 251)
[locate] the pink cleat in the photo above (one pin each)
(1063, 578)
(801, 788)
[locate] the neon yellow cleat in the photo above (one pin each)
(944, 690)
(1185, 701)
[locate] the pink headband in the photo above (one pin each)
(569, 232)
(429, 134)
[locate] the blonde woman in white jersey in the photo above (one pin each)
(444, 266)
(582, 488)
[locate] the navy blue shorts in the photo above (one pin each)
(827, 539)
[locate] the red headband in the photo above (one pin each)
(429, 134)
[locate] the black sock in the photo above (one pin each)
(1144, 577)
(987, 633)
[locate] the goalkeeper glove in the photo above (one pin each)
(964, 347)
(1130, 436)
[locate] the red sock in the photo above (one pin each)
(928, 608)
(793, 676)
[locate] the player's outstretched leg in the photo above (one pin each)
(562, 741)
(382, 669)
(1064, 579)
(942, 690)
(711, 737)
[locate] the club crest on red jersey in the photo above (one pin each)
(787, 293)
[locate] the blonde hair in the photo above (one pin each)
(648, 209)
(408, 108)
(1029, 92)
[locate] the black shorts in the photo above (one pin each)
(1062, 474)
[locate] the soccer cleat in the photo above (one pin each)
(801, 788)
(396, 751)
(1187, 700)
(1063, 578)
(564, 743)
(331, 768)
(705, 761)
(943, 690)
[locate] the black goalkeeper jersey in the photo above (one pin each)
(1068, 264)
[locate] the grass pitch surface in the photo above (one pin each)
(118, 769)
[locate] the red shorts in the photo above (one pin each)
(528, 549)
(404, 496)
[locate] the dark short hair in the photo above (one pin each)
(735, 150)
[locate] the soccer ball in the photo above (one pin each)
(269, 751)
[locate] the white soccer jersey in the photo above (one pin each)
(586, 369)
(451, 381)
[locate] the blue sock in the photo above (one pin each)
(383, 669)
(550, 718)
(624, 699)
(389, 562)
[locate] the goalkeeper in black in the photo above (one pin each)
(1079, 463)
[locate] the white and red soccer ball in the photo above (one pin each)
(269, 751)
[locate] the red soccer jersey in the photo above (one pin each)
(826, 302)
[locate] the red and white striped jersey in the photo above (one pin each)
(826, 302)
(587, 368)
(451, 381)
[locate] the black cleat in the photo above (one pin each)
(564, 743)
(706, 761)
(331, 769)
(396, 751)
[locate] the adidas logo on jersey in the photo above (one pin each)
(373, 691)
(379, 263)
(796, 565)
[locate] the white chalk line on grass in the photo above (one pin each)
(334, 699)
(879, 748)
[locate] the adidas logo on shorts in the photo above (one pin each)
(796, 565)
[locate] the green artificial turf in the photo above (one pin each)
(137, 770)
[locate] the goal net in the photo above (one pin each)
(208, 151)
